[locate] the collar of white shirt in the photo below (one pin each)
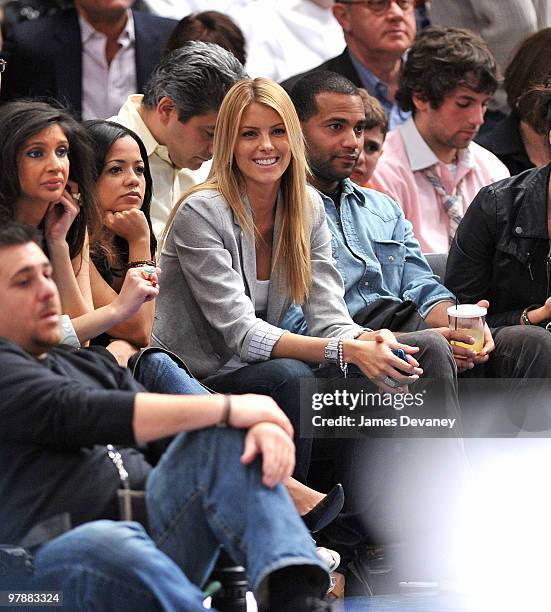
(126, 37)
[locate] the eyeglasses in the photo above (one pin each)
(3, 65)
(378, 7)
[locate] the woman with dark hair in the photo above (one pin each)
(209, 26)
(126, 239)
(47, 182)
(517, 140)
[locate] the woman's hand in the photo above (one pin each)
(129, 224)
(60, 215)
(139, 286)
(277, 449)
(377, 361)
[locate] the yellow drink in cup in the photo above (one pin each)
(469, 319)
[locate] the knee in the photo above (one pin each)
(105, 544)
(523, 340)
(433, 343)
(285, 370)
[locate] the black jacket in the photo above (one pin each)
(342, 64)
(505, 142)
(57, 415)
(501, 251)
(45, 56)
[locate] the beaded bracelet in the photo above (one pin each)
(343, 365)
(141, 262)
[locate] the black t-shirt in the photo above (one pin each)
(56, 416)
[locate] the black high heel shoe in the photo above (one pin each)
(326, 510)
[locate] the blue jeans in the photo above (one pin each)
(159, 373)
(200, 497)
(106, 565)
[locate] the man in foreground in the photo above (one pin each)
(59, 409)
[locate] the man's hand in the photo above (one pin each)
(277, 449)
(466, 358)
(249, 410)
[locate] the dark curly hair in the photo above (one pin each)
(442, 59)
(535, 108)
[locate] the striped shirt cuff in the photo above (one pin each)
(262, 342)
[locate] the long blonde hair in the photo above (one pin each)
(293, 246)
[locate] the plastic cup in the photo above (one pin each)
(470, 319)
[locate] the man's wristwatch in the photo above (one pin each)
(331, 351)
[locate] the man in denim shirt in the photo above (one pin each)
(388, 282)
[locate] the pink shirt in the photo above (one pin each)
(399, 173)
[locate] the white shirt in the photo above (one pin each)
(260, 306)
(287, 37)
(106, 87)
(169, 182)
(176, 9)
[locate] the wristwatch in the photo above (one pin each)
(331, 351)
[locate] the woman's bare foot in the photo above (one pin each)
(303, 496)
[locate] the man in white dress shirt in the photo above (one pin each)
(175, 119)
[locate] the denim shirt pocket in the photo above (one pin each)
(391, 256)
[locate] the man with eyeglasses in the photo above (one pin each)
(377, 34)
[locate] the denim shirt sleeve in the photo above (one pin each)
(419, 284)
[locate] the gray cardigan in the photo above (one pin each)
(205, 311)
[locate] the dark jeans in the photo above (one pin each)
(509, 395)
(378, 474)
(399, 489)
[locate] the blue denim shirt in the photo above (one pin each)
(379, 89)
(377, 255)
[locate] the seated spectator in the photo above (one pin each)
(176, 116)
(377, 34)
(376, 126)
(209, 26)
(90, 58)
(288, 36)
(245, 245)
(516, 140)
(126, 240)
(430, 164)
(57, 416)
(501, 249)
(503, 25)
(47, 182)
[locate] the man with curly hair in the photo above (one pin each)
(430, 164)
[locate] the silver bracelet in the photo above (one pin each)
(342, 363)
